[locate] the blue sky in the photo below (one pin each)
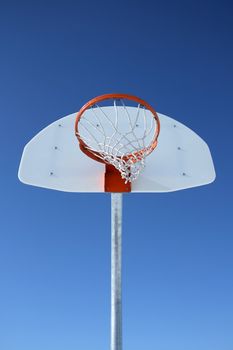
(55, 247)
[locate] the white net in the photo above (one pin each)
(120, 135)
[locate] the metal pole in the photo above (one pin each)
(116, 307)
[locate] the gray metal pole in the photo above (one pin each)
(116, 307)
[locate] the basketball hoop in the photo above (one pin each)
(120, 136)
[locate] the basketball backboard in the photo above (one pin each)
(53, 160)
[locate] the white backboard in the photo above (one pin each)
(52, 159)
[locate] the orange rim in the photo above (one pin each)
(97, 99)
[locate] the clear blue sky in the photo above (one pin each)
(55, 247)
